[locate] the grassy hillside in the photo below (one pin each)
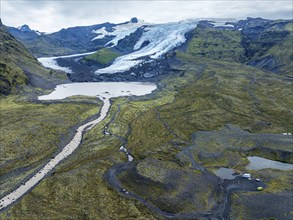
(279, 56)
(44, 46)
(18, 67)
(31, 133)
(267, 46)
(217, 44)
(103, 56)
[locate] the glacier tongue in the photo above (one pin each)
(50, 62)
(162, 38)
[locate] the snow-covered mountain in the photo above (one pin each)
(24, 32)
(137, 44)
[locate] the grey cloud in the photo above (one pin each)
(53, 15)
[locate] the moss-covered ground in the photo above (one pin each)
(18, 67)
(103, 56)
(205, 96)
(31, 133)
(209, 95)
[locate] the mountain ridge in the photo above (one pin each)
(19, 68)
(257, 42)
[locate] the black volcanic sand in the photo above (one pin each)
(213, 145)
(263, 206)
(186, 189)
(152, 71)
(171, 191)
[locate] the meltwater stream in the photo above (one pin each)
(104, 91)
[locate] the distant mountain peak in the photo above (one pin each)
(24, 28)
(134, 20)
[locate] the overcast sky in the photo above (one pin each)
(49, 16)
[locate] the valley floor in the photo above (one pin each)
(177, 135)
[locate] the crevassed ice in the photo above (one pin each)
(162, 38)
(120, 32)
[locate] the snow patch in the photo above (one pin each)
(222, 22)
(102, 33)
(38, 33)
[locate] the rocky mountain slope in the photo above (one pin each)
(18, 67)
(24, 32)
(262, 43)
(66, 41)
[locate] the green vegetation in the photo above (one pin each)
(272, 205)
(270, 49)
(18, 67)
(12, 77)
(207, 96)
(280, 54)
(45, 46)
(170, 187)
(103, 56)
(31, 133)
(217, 44)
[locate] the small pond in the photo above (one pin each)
(225, 173)
(259, 163)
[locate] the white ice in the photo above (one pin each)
(50, 62)
(102, 33)
(120, 32)
(162, 38)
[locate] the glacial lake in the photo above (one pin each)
(259, 163)
(100, 89)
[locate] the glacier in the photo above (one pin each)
(120, 32)
(161, 37)
(50, 62)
